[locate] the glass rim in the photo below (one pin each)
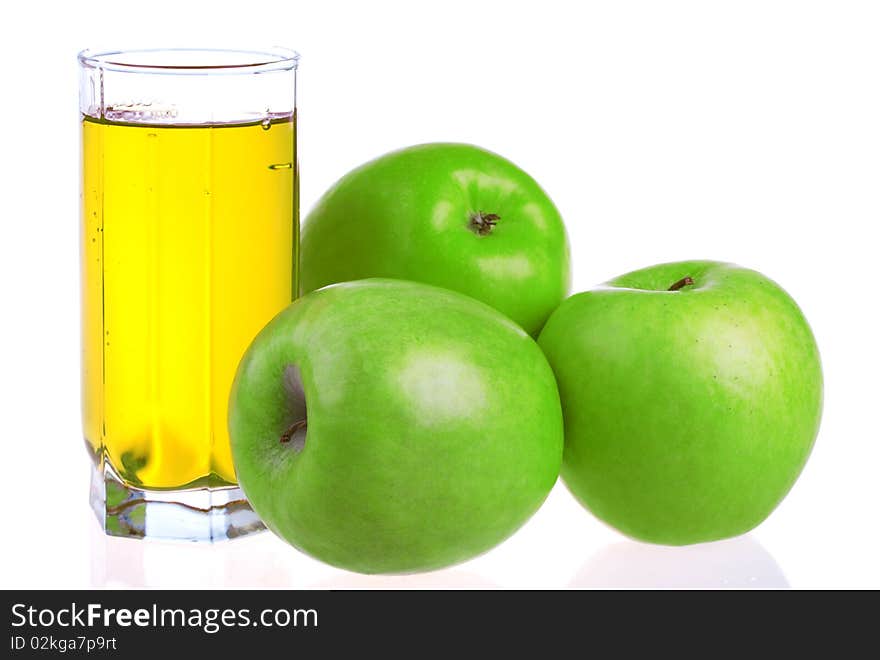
(252, 60)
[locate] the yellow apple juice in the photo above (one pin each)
(189, 244)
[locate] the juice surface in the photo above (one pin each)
(189, 248)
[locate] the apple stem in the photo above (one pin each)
(684, 281)
(287, 436)
(482, 223)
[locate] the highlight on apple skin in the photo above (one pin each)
(691, 394)
(386, 426)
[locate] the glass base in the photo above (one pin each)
(199, 514)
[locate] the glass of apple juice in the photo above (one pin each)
(189, 240)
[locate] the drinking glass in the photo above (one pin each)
(189, 241)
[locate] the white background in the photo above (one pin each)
(743, 131)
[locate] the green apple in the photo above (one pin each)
(387, 426)
(452, 215)
(691, 394)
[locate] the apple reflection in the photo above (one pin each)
(443, 579)
(739, 563)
